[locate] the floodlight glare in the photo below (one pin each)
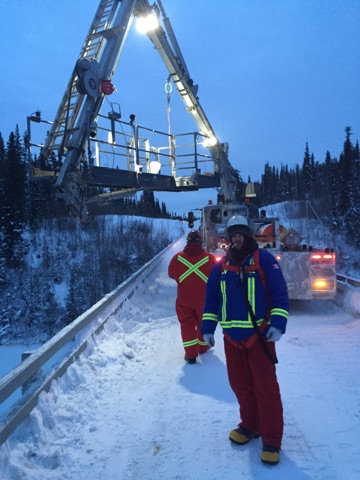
(210, 142)
(147, 23)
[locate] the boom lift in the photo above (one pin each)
(79, 134)
(142, 158)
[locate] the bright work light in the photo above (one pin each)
(210, 142)
(147, 23)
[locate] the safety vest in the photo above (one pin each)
(254, 266)
(193, 268)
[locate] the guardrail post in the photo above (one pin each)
(25, 386)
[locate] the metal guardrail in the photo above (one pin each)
(348, 293)
(348, 280)
(88, 324)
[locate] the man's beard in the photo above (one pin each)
(239, 255)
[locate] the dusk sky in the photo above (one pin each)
(272, 74)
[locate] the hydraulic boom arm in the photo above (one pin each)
(72, 132)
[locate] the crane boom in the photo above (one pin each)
(177, 69)
(74, 97)
(74, 135)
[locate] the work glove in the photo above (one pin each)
(209, 339)
(273, 334)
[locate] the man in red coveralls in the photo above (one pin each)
(190, 268)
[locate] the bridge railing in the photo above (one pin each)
(348, 280)
(73, 339)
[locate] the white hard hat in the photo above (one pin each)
(238, 224)
(237, 220)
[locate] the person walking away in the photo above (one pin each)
(247, 294)
(190, 268)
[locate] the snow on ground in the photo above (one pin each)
(131, 408)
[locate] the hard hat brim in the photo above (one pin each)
(242, 229)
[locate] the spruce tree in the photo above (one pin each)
(346, 167)
(349, 190)
(14, 187)
(306, 175)
(2, 210)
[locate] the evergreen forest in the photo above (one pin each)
(332, 186)
(46, 255)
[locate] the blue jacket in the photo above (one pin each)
(225, 301)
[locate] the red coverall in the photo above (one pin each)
(191, 268)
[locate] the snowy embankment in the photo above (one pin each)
(313, 232)
(131, 408)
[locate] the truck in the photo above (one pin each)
(309, 271)
(81, 139)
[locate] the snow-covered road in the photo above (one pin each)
(132, 409)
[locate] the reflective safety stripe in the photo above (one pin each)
(279, 311)
(239, 323)
(223, 292)
(226, 324)
(251, 294)
(193, 268)
(210, 316)
(191, 343)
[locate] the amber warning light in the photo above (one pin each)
(323, 285)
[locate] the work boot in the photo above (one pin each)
(270, 455)
(241, 435)
(191, 361)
